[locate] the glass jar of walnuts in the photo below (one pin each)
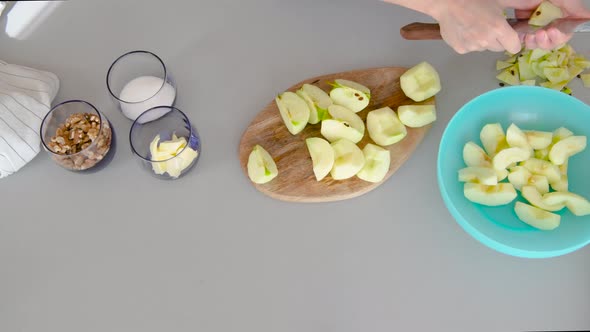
(76, 135)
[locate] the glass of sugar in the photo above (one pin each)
(139, 81)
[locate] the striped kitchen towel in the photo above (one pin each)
(25, 98)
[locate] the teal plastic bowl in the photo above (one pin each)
(531, 108)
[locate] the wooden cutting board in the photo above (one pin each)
(296, 181)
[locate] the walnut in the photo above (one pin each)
(80, 142)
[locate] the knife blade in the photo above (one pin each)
(431, 31)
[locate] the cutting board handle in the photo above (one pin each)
(421, 31)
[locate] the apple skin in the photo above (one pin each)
(352, 99)
(344, 124)
(261, 167)
(294, 111)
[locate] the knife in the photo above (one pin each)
(431, 31)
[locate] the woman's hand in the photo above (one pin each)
(557, 33)
(479, 25)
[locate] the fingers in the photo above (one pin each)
(557, 37)
(495, 46)
(508, 38)
(530, 42)
(546, 39)
(543, 40)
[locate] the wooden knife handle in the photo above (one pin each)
(421, 31)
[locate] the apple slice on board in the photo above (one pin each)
(322, 156)
(343, 124)
(296, 181)
(377, 160)
(294, 111)
(348, 160)
(351, 95)
(261, 166)
(384, 127)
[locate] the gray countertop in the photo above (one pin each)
(120, 251)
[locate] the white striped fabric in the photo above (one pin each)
(25, 98)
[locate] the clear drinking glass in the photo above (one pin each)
(139, 81)
(167, 147)
(77, 136)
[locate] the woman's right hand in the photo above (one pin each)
(557, 33)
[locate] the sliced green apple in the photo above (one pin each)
(577, 204)
(353, 85)
(500, 194)
(536, 217)
(516, 138)
(261, 167)
(543, 167)
(475, 156)
(538, 69)
(343, 124)
(581, 61)
(348, 159)
(416, 116)
(322, 156)
(482, 175)
(502, 174)
(529, 82)
(566, 148)
(557, 75)
(503, 65)
(574, 71)
(567, 49)
(561, 185)
(554, 86)
(542, 154)
(420, 82)
(506, 157)
(351, 95)
(493, 138)
(586, 80)
(519, 177)
(313, 112)
(540, 182)
(524, 68)
(531, 194)
(562, 59)
(512, 58)
(377, 161)
(539, 140)
(510, 76)
(561, 133)
(320, 99)
(537, 54)
(384, 127)
(294, 111)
